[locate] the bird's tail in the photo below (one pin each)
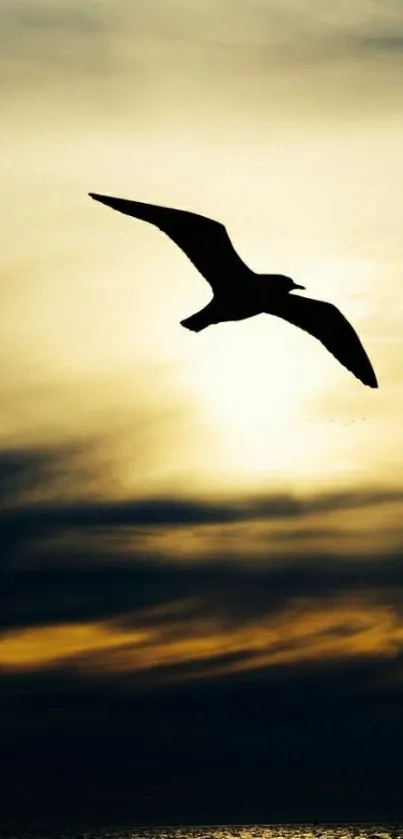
(198, 321)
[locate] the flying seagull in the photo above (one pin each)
(239, 293)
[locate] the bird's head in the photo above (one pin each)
(289, 284)
(282, 283)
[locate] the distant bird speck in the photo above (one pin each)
(239, 292)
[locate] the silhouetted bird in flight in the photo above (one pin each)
(239, 293)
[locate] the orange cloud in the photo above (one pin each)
(343, 630)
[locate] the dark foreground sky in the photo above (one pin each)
(138, 686)
(201, 573)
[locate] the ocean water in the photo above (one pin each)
(261, 831)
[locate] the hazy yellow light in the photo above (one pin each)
(45, 645)
(253, 383)
(304, 632)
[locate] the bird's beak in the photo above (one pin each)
(298, 286)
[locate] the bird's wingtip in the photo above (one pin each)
(371, 380)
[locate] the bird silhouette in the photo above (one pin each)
(239, 292)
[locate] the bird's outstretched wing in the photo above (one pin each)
(325, 322)
(203, 240)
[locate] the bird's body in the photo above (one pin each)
(253, 295)
(239, 292)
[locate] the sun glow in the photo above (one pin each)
(255, 388)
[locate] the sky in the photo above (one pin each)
(201, 540)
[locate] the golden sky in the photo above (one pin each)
(284, 121)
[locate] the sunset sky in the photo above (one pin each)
(201, 535)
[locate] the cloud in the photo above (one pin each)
(47, 13)
(69, 40)
(59, 474)
(114, 38)
(80, 584)
(388, 43)
(118, 664)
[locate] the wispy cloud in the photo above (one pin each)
(115, 37)
(91, 570)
